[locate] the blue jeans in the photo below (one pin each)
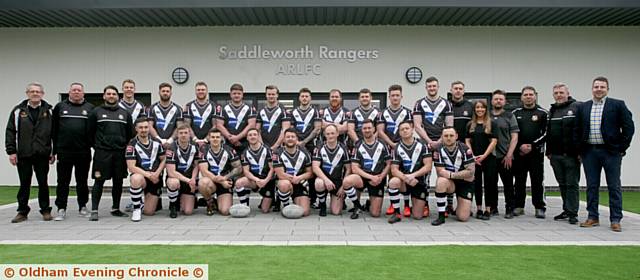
(594, 159)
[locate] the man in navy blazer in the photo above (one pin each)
(603, 132)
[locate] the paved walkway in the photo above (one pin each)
(273, 229)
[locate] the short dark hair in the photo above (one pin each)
(450, 127)
(164, 85)
(364, 90)
(213, 130)
(499, 92)
(272, 87)
(409, 122)
(529, 88)
(110, 87)
(431, 79)
(304, 89)
(77, 84)
(373, 123)
(130, 81)
(201, 83)
(252, 129)
(291, 130)
(336, 90)
(395, 87)
(601, 79)
(457, 83)
(236, 86)
(140, 119)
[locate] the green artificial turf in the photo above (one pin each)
(8, 194)
(630, 200)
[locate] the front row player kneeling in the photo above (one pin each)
(145, 161)
(331, 164)
(455, 167)
(292, 166)
(258, 172)
(410, 170)
(219, 166)
(182, 172)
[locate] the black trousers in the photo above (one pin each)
(26, 167)
(65, 168)
(486, 177)
(532, 164)
(506, 175)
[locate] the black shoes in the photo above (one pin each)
(323, 211)
(438, 221)
(396, 217)
(573, 220)
(509, 214)
(118, 213)
(356, 213)
(173, 211)
(562, 216)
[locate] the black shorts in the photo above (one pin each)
(375, 191)
(186, 189)
(338, 186)
(464, 189)
(109, 165)
(220, 190)
(419, 191)
(268, 191)
(300, 190)
(151, 188)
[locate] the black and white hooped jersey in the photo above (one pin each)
(257, 160)
(433, 114)
(371, 158)
(270, 121)
(185, 160)
(454, 160)
(304, 120)
(332, 161)
(201, 116)
(221, 162)
(165, 119)
(358, 115)
(392, 120)
(147, 156)
(293, 164)
(136, 109)
(235, 118)
(409, 157)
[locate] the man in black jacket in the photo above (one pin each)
(110, 128)
(562, 152)
(71, 145)
(529, 155)
(28, 144)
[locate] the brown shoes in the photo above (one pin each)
(47, 216)
(19, 218)
(590, 223)
(616, 227)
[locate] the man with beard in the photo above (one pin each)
(164, 116)
(145, 161)
(272, 119)
(235, 119)
(257, 168)
(370, 165)
(72, 147)
(220, 167)
(182, 172)
(199, 113)
(432, 113)
(410, 169)
(507, 128)
(336, 114)
(110, 128)
(292, 166)
(307, 122)
(455, 167)
(365, 111)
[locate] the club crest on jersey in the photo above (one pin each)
(121, 117)
(570, 113)
(84, 112)
(465, 113)
(65, 112)
(129, 149)
(534, 118)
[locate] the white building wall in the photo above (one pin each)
(485, 58)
